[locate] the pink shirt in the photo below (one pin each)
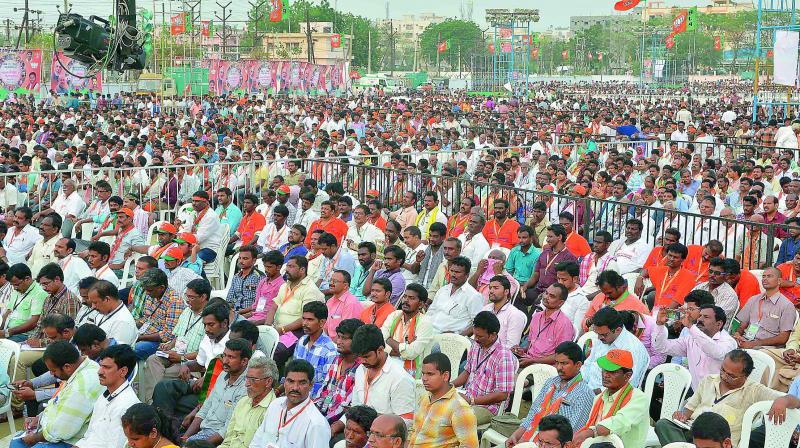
(265, 293)
(512, 323)
(545, 333)
(346, 306)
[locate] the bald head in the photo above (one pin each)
(393, 430)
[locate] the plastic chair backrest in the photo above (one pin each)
(677, 381)
(526, 445)
(339, 444)
(540, 373)
(9, 349)
(151, 233)
(680, 445)
(454, 346)
(777, 436)
(613, 439)
(763, 362)
(267, 339)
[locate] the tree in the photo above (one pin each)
(463, 37)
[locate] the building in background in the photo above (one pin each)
(293, 46)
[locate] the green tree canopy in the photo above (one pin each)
(462, 36)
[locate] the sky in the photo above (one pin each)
(552, 13)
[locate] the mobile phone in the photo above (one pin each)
(673, 315)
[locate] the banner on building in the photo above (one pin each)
(207, 28)
(254, 76)
(68, 75)
(179, 23)
(20, 69)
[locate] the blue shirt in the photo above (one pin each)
(321, 355)
(299, 250)
(230, 215)
(788, 248)
(580, 400)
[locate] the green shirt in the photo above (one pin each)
(67, 414)
(23, 306)
(627, 423)
(189, 331)
(357, 282)
(521, 265)
(245, 421)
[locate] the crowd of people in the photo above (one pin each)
(362, 232)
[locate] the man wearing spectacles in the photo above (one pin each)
(387, 431)
(728, 394)
(703, 340)
(724, 295)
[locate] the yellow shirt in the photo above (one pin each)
(290, 301)
(244, 421)
(447, 422)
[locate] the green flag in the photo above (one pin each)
(691, 19)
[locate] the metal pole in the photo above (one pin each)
(369, 51)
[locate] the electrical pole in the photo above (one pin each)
(369, 51)
(8, 32)
(25, 23)
(260, 6)
(224, 19)
(309, 42)
(392, 42)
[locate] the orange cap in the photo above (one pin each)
(616, 359)
(173, 253)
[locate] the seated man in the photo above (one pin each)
(212, 420)
(261, 376)
(376, 312)
(671, 282)
(188, 333)
(456, 425)
(113, 316)
(97, 256)
(522, 259)
(493, 264)
(544, 273)
(162, 307)
(488, 378)
(565, 394)
(766, 319)
(293, 419)
(242, 294)
(547, 329)
(315, 346)
(267, 289)
(614, 293)
(724, 295)
(105, 426)
(407, 331)
(332, 257)
(380, 383)
(512, 319)
(337, 389)
(24, 306)
(728, 393)
(568, 274)
(359, 422)
(710, 429)
(457, 303)
(391, 269)
(610, 334)
(619, 409)
(66, 417)
(704, 341)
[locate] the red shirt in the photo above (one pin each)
(250, 224)
(656, 257)
(334, 226)
(503, 236)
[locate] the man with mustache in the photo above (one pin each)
(261, 376)
(293, 420)
(501, 231)
(704, 341)
(212, 421)
(105, 427)
(407, 331)
(315, 346)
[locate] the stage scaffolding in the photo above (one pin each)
(775, 101)
(511, 36)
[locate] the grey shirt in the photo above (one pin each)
(218, 407)
(429, 265)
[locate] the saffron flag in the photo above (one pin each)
(178, 24)
(670, 41)
(276, 10)
(718, 43)
(565, 54)
(336, 40)
(535, 53)
(443, 46)
(679, 22)
(624, 5)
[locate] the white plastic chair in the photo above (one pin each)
(762, 362)
(267, 340)
(613, 439)
(340, 444)
(777, 436)
(540, 373)
(680, 445)
(151, 232)
(677, 381)
(128, 274)
(526, 445)
(454, 346)
(223, 293)
(213, 270)
(9, 357)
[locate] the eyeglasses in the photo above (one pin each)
(380, 436)
(253, 379)
(722, 373)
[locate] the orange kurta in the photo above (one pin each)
(787, 273)
(656, 257)
(747, 287)
(379, 317)
(334, 226)
(457, 225)
(577, 245)
(503, 236)
(671, 289)
(695, 264)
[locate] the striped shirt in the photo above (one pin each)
(66, 417)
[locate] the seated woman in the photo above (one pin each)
(146, 427)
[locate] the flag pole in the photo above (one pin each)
(438, 53)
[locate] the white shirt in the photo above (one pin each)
(305, 426)
(68, 205)
(475, 249)
(271, 238)
(306, 217)
(208, 231)
(106, 273)
(105, 426)
(629, 257)
(454, 312)
(118, 324)
(18, 246)
(367, 232)
(575, 308)
(43, 252)
(209, 349)
(392, 392)
(8, 197)
(74, 269)
(411, 257)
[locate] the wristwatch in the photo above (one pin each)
(594, 430)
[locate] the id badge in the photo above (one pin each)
(143, 329)
(261, 305)
(752, 330)
(180, 346)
